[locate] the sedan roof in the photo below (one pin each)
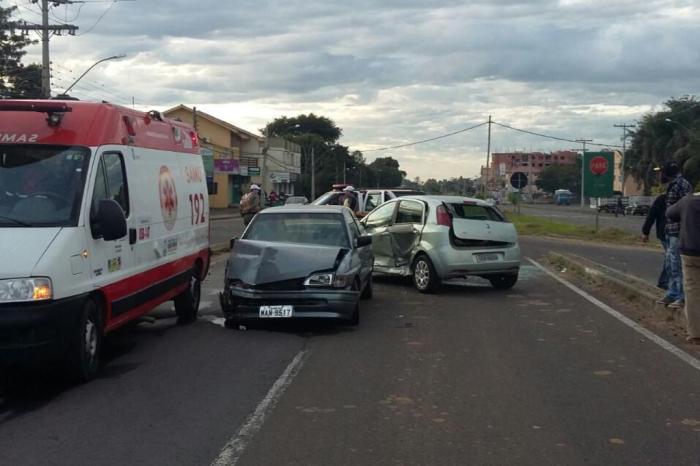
(305, 209)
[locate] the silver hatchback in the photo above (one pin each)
(433, 238)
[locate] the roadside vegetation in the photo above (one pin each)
(532, 225)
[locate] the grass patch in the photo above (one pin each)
(540, 226)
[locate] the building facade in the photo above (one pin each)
(504, 164)
(229, 163)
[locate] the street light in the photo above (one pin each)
(668, 120)
(115, 57)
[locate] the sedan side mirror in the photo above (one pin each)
(364, 240)
(232, 242)
(111, 222)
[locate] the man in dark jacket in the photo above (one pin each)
(687, 212)
(657, 215)
(678, 187)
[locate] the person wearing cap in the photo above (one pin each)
(250, 204)
(687, 212)
(678, 187)
(349, 198)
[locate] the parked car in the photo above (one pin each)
(298, 263)
(637, 209)
(367, 199)
(296, 200)
(433, 238)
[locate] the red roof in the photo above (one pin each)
(91, 124)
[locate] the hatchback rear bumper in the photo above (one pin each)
(452, 262)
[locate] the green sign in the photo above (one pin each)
(253, 171)
(208, 160)
(598, 174)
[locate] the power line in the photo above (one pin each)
(547, 136)
(427, 140)
(114, 2)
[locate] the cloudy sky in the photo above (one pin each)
(392, 71)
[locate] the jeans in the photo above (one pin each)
(675, 269)
(663, 278)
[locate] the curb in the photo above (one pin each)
(224, 217)
(627, 286)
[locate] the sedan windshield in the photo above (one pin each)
(40, 185)
(305, 228)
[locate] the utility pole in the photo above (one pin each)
(624, 152)
(488, 160)
(313, 174)
(45, 29)
(583, 168)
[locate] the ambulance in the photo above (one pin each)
(104, 215)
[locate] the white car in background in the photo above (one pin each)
(434, 238)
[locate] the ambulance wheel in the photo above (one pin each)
(187, 302)
(83, 357)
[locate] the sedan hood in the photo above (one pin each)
(21, 249)
(260, 262)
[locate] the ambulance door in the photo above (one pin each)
(111, 261)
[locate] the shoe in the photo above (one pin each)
(677, 304)
(665, 301)
(693, 340)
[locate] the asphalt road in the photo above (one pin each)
(644, 263)
(575, 215)
(535, 375)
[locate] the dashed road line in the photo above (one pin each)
(671, 348)
(233, 450)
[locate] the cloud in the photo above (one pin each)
(394, 71)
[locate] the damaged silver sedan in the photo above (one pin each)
(299, 263)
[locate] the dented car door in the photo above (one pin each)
(377, 224)
(406, 231)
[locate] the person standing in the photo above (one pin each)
(678, 187)
(349, 199)
(687, 212)
(250, 204)
(657, 216)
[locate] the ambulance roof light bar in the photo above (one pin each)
(29, 106)
(53, 110)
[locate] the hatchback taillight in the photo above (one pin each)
(443, 216)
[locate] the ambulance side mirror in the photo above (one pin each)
(110, 221)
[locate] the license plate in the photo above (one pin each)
(487, 257)
(272, 312)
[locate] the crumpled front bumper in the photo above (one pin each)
(243, 304)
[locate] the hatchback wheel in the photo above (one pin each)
(425, 278)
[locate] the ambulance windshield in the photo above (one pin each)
(41, 185)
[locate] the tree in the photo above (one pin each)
(658, 140)
(301, 125)
(560, 177)
(387, 172)
(16, 80)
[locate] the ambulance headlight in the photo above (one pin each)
(16, 290)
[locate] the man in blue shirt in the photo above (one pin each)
(678, 188)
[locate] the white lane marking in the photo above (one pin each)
(233, 450)
(682, 355)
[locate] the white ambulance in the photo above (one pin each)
(103, 217)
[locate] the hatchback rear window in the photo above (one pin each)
(475, 212)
